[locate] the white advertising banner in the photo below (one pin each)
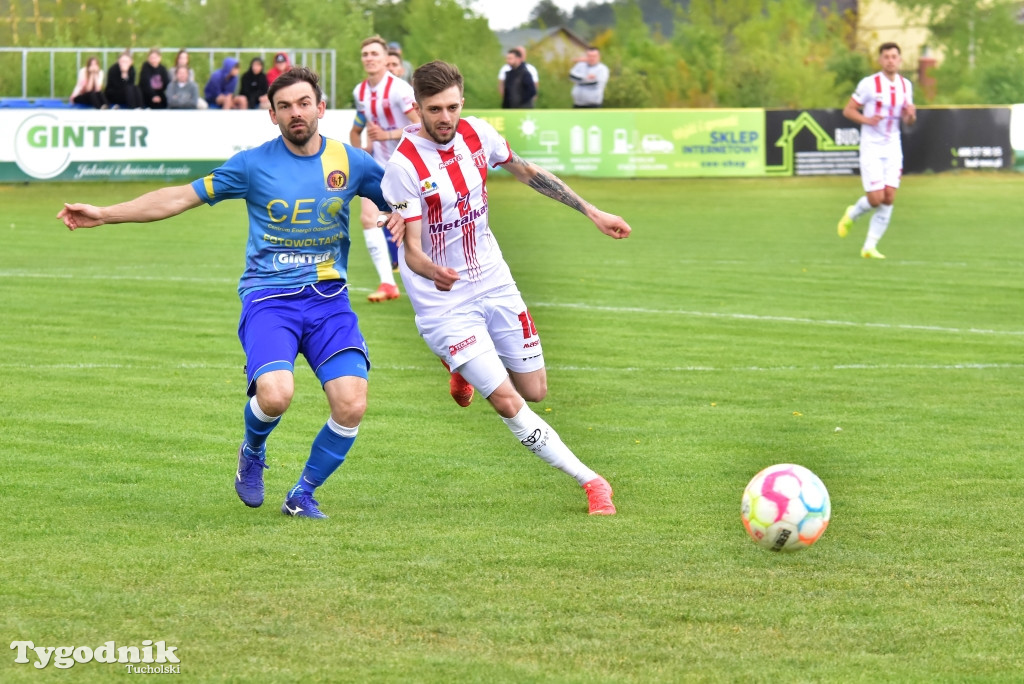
(1017, 134)
(136, 144)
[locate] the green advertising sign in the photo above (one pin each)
(611, 143)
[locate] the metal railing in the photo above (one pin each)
(52, 71)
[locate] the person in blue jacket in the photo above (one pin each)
(220, 91)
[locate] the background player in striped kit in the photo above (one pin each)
(384, 105)
(468, 308)
(880, 102)
(294, 295)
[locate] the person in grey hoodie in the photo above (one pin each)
(182, 93)
(220, 89)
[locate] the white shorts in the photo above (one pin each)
(496, 324)
(880, 168)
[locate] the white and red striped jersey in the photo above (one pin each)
(878, 95)
(387, 104)
(445, 187)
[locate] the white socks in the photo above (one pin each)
(860, 208)
(341, 430)
(879, 224)
(377, 246)
(537, 436)
(258, 412)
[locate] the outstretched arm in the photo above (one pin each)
(547, 183)
(153, 206)
(417, 260)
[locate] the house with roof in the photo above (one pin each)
(544, 45)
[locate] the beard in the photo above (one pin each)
(301, 136)
(440, 138)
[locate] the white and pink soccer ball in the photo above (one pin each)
(785, 508)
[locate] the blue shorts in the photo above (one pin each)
(317, 320)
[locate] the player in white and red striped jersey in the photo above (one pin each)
(468, 308)
(880, 104)
(384, 106)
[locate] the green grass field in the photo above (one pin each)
(732, 331)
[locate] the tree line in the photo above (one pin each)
(662, 53)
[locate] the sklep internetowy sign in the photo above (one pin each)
(140, 144)
(620, 143)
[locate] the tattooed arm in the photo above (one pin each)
(547, 183)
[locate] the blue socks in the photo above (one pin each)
(327, 453)
(258, 426)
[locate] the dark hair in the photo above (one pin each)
(889, 46)
(517, 52)
(435, 77)
(295, 75)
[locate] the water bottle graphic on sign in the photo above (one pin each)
(576, 140)
(593, 140)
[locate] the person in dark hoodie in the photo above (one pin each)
(254, 85)
(519, 86)
(220, 89)
(121, 90)
(153, 82)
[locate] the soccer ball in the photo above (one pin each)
(785, 508)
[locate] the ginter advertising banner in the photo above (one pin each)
(139, 144)
(611, 143)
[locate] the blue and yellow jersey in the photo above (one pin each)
(298, 209)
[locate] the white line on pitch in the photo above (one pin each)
(776, 319)
(592, 307)
(556, 367)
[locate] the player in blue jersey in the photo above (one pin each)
(294, 292)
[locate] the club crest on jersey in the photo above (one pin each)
(428, 187)
(337, 180)
(480, 159)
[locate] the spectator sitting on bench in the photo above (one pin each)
(121, 90)
(88, 91)
(220, 89)
(153, 82)
(183, 93)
